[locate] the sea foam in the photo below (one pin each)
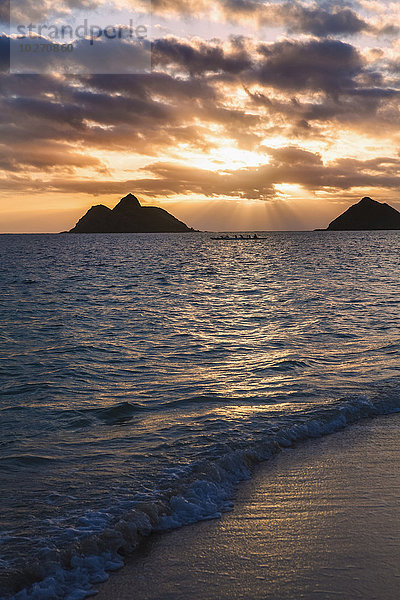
(202, 492)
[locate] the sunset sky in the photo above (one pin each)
(255, 114)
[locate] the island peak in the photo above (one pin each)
(128, 202)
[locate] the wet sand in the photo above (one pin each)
(319, 521)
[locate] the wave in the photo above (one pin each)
(119, 413)
(282, 365)
(187, 494)
(116, 414)
(22, 460)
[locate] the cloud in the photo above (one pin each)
(328, 65)
(203, 96)
(198, 57)
(322, 23)
(96, 54)
(28, 11)
(45, 159)
(288, 165)
(316, 18)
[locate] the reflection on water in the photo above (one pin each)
(135, 362)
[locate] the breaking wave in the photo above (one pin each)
(199, 491)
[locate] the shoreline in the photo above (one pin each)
(318, 520)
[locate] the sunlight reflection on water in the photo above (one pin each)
(128, 355)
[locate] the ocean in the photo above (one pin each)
(143, 376)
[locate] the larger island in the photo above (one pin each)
(367, 215)
(128, 216)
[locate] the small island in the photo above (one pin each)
(128, 216)
(366, 215)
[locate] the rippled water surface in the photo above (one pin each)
(143, 375)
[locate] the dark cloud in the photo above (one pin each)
(327, 65)
(319, 21)
(89, 55)
(200, 57)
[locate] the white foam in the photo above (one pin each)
(201, 491)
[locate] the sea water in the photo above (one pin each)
(144, 375)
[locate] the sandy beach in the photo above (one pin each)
(319, 521)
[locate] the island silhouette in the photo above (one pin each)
(128, 216)
(366, 215)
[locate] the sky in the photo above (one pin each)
(231, 114)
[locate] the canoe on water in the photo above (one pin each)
(238, 239)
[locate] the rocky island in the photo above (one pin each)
(128, 216)
(368, 215)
